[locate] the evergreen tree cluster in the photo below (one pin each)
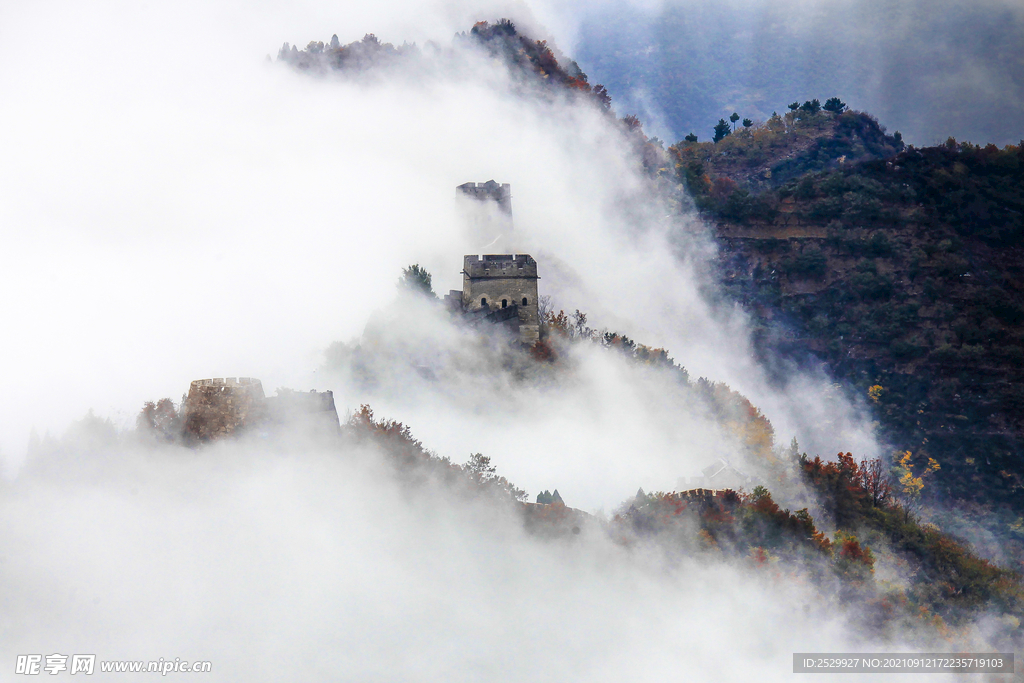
(549, 498)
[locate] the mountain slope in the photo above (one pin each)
(903, 272)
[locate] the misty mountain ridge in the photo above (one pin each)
(875, 202)
(857, 536)
(534, 61)
(752, 183)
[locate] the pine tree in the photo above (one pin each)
(835, 105)
(417, 279)
(811, 106)
(480, 467)
(721, 130)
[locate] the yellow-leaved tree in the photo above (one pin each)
(911, 486)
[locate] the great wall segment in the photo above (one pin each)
(222, 407)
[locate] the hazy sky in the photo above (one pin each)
(930, 69)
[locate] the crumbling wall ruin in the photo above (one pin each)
(221, 407)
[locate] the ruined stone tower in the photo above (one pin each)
(220, 407)
(503, 287)
(500, 194)
(486, 210)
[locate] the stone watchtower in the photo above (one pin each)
(503, 287)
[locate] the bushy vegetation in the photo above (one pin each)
(950, 580)
(416, 279)
(729, 175)
(356, 56)
(949, 584)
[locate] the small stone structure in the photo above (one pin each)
(500, 288)
(221, 407)
(313, 410)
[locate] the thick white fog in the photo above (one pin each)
(177, 207)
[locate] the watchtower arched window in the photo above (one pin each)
(504, 303)
(524, 301)
(483, 301)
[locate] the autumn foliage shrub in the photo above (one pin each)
(950, 580)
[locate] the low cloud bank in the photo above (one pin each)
(278, 561)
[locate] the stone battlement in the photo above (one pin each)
(228, 382)
(696, 494)
(485, 210)
(499, 266)
(221, 406)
